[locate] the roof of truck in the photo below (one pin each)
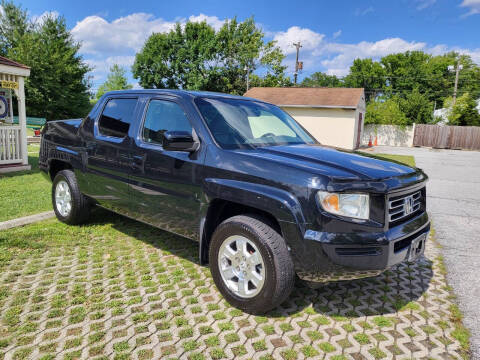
(182, 93)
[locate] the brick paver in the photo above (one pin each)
(144, 300)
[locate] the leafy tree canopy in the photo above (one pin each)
(368, 74)
(319, 79)
(416, 107)
(14, 25)
(464, 112)
(418, 82)
(385, 112)
(57, 86)
(116, 80)
(197, 57)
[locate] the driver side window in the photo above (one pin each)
(163, 116)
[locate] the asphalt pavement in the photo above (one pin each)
(453, 202)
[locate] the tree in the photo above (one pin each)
(57, 86)
(464, 112)
(415, 80)
(406, 71)
(271, 59)
(240, 46)
(274, 76)
(367, 74)
(469, 77)
(181, 58)
(116, 80)
(14, 25)
(416, 107)
(196, 57)
(386, 112)
(320, 79)
(429, 74)
(441, 80)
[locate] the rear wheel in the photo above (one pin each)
(69, 204)
(251, 264)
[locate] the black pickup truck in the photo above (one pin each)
(264, 200)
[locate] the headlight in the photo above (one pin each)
(350, 205)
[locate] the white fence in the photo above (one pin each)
(391, 135)
(10, 150)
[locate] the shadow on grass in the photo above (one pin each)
(396, 289)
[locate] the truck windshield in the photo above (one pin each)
(243, 124)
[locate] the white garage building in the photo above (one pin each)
(334, 116)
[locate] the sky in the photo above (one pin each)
(332, 33)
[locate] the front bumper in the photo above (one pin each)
(322, 257)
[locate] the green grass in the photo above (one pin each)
(460, 332)
(26, 192)
(78, 261)
(405, 159)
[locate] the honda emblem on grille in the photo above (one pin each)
(408, 205)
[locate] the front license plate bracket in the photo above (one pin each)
(417, 248)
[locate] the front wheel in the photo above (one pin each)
(69, 204)
(250, 264)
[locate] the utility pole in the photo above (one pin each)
(247, 69)
(457, 71)
(298, 46)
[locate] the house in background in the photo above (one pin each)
(334, 116)
(13, 137)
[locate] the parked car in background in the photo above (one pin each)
(262, 197)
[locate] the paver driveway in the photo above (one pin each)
(454, 205)
(117, 288)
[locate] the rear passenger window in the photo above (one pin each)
(116, 117)
(163, 116)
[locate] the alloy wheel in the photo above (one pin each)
(241, 266)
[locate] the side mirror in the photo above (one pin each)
(180, 141)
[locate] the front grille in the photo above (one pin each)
(404, 206)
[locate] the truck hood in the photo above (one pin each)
(336, 164)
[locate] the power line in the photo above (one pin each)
(402, 77)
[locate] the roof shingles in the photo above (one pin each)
(8, 62)
(315, 97)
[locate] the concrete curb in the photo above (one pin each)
(26, 220)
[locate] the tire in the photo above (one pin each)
(79, 209)
(278, 274)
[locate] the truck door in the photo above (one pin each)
(166, 185)
(109, 154)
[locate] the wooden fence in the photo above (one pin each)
(447, 137)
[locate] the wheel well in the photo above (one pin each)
(220, 210)
(58, 165)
